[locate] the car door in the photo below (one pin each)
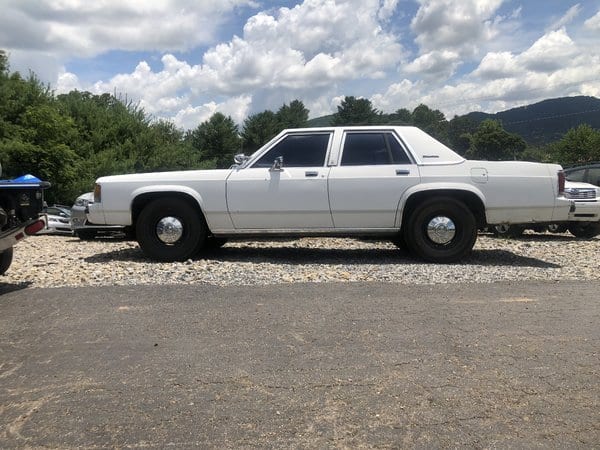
(285, 188)
(366, 186)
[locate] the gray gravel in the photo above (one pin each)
(56, 261)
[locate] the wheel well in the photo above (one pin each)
(471, 200)
(140, 202)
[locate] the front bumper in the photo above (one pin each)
(585, 211)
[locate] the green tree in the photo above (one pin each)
(459, 133)
(578, 146)
(492, 142)
(217, 139)
(431, 121)
(294, 115)
(259, 129)
(402, 116)
(356, 111)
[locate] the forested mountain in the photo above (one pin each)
(546, 121)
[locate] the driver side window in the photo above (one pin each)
(297, 150)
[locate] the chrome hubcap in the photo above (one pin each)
(441, 230)
(169, 230)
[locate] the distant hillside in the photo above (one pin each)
(539, 123)
(549, 120)
(323, 121)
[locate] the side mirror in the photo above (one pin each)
(240, 158)
(277, 164)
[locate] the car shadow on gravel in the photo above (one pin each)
(6, 288)
(309, 255)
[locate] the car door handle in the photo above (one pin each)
(402, 172)
(311, 173)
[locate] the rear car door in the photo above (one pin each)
(366, 185)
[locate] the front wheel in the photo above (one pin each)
(585, 230)
(6, 258)
(170, 229)
(441, 230)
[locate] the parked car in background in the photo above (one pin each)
(58, 220)
(21, 202)
(589, 173)
(586, 197)
(81, 226)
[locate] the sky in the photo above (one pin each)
(184, 60)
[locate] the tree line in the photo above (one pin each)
(72, 139)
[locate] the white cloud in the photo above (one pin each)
(553, 66)
(309, 47)
(436, 63)
(497, 65)
(593, 23)
(567, 18)
(191, 116)
(317, 51)
(454, 25)
(87, 28)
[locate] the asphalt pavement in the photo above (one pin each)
(301, 365)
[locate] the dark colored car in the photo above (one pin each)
(589, 173)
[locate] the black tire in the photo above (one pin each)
(421, 242)
(400, 241)
(184, 246)
(6, 258)
(557, 228)
(214, 243)
(86, 235)
(508, 231)
(584, 230)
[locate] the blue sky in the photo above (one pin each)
(185, 60)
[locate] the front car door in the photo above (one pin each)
(285, 188)
(373, 172)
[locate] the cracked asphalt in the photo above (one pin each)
(344, 365)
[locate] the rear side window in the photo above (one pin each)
(593, 175)
(576, 175)
(370, 149)
(298, 150)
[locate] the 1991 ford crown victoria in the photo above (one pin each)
(386, 181)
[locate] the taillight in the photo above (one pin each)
(34, 227)
(561, 182)
(97, 193)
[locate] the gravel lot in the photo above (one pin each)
(56, 261)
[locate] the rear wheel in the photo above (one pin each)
(5, 260)
(214, 243)
(586, 230)
(441, 230)
(170, 229)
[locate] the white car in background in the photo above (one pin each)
(586, 197)
(58, 220)
(80, 225)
